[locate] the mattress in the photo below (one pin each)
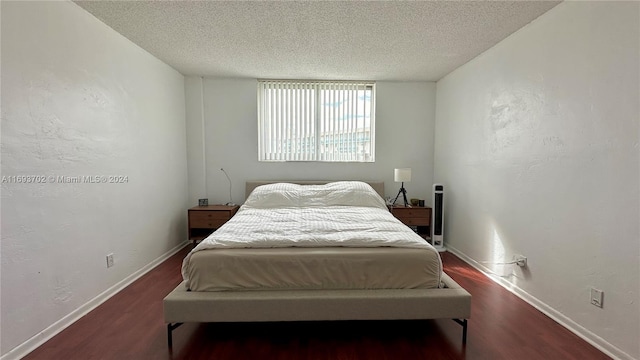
(314, 269)
(335, 236)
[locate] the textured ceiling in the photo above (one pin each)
(361, 40)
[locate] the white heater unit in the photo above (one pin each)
(437, 240)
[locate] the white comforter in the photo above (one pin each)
(313, 227)
(288, 216)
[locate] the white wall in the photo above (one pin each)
(537, 144)
(195, 135)
(404, 138)
(80, 99)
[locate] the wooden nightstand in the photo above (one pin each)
(416, 217)
(203, 220)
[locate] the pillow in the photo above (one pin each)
(273, 196)
(340, 193)
(349, 193)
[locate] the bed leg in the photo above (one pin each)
(463, 322)
(464, 332)
(170, 328)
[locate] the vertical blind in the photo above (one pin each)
(316, 121)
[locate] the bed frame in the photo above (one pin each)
(451, 302)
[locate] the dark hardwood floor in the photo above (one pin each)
(130, 326)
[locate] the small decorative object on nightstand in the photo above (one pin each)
(417, 218)
(203, 220)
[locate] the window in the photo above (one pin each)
(316, 121)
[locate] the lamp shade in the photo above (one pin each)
(402, 175)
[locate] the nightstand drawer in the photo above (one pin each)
(201, 222)
(209, 215)
(415, 221)
(411, 212)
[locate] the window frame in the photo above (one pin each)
(311, 116)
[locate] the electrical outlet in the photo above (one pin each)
(520, 260)
(597, 296)
(109, 260)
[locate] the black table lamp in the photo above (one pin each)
(402, 175)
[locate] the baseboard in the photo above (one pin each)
(28, 346)
(561, 319)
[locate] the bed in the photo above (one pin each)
(311, 251)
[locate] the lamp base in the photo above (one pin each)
(402, 191)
